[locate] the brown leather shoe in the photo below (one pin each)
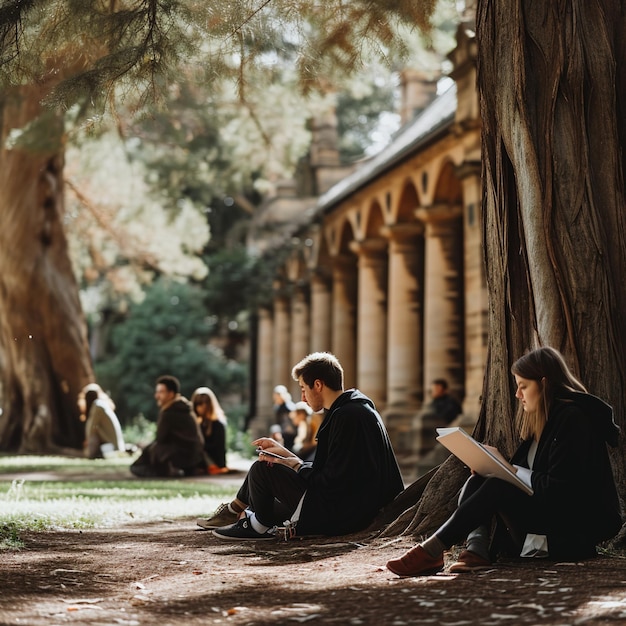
(416, 562)
(469, 562)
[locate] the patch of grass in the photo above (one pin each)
(45, 493)
(10, 537)
(60, 464)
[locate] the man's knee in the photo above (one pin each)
(257, 469)
(258, 473)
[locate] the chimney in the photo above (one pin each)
(419, 89)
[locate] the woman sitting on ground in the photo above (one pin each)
(102, 427)
(563, 457)
(212, 420)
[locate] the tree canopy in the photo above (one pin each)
(137, 119)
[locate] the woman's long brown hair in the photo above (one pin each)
(546, 366)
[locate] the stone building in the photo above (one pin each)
(385, 267)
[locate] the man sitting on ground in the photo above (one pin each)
(179, 446)
(354, 473)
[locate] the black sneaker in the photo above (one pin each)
(242, 530)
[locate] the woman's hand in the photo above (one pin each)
(499, 456)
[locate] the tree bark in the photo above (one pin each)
(44, 355)
(552, 86)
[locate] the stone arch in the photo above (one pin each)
(373, 220)
(339, 233)
(448, 189)
(407, 203)
(346, 236)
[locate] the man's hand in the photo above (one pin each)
(290, 459)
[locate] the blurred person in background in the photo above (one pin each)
(103, 432)
(307, 424)
(178, 449)
(283, 405)
(212, 421)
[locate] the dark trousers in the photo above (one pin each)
(483, 498)
(272, 492)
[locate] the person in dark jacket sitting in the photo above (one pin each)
(442, 404)
(178, 448)
(354, 473)
(563, 457)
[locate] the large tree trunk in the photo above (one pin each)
(44, 356)
(552, 83)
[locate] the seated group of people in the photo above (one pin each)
(190, 435)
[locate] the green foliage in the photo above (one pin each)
(182, 148)
(139, 431)
(206, 99)
(238, 440)
(244, 278)
(167, 333)
(144, 42)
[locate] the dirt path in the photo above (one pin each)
(172, 574)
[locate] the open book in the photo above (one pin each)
(477, 457)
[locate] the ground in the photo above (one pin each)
(171, 573)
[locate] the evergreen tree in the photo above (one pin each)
(167, 333)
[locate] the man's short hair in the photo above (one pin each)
(442, 382)
(322, 366)
(169, 382)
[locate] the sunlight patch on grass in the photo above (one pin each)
(69, 499)
(84, 512)
(31, 463)
(44, 490)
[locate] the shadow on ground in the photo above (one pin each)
(171, 573)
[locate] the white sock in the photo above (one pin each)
(256, 525)
(433, 546)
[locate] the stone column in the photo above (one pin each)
(300, 334)
(476, 311)
(281, 366)
(343, 331)
(372, 319)
(321, 312)
(444, 341)
(264, 411)
(404, 332)
(406, 275)
(444, 354)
